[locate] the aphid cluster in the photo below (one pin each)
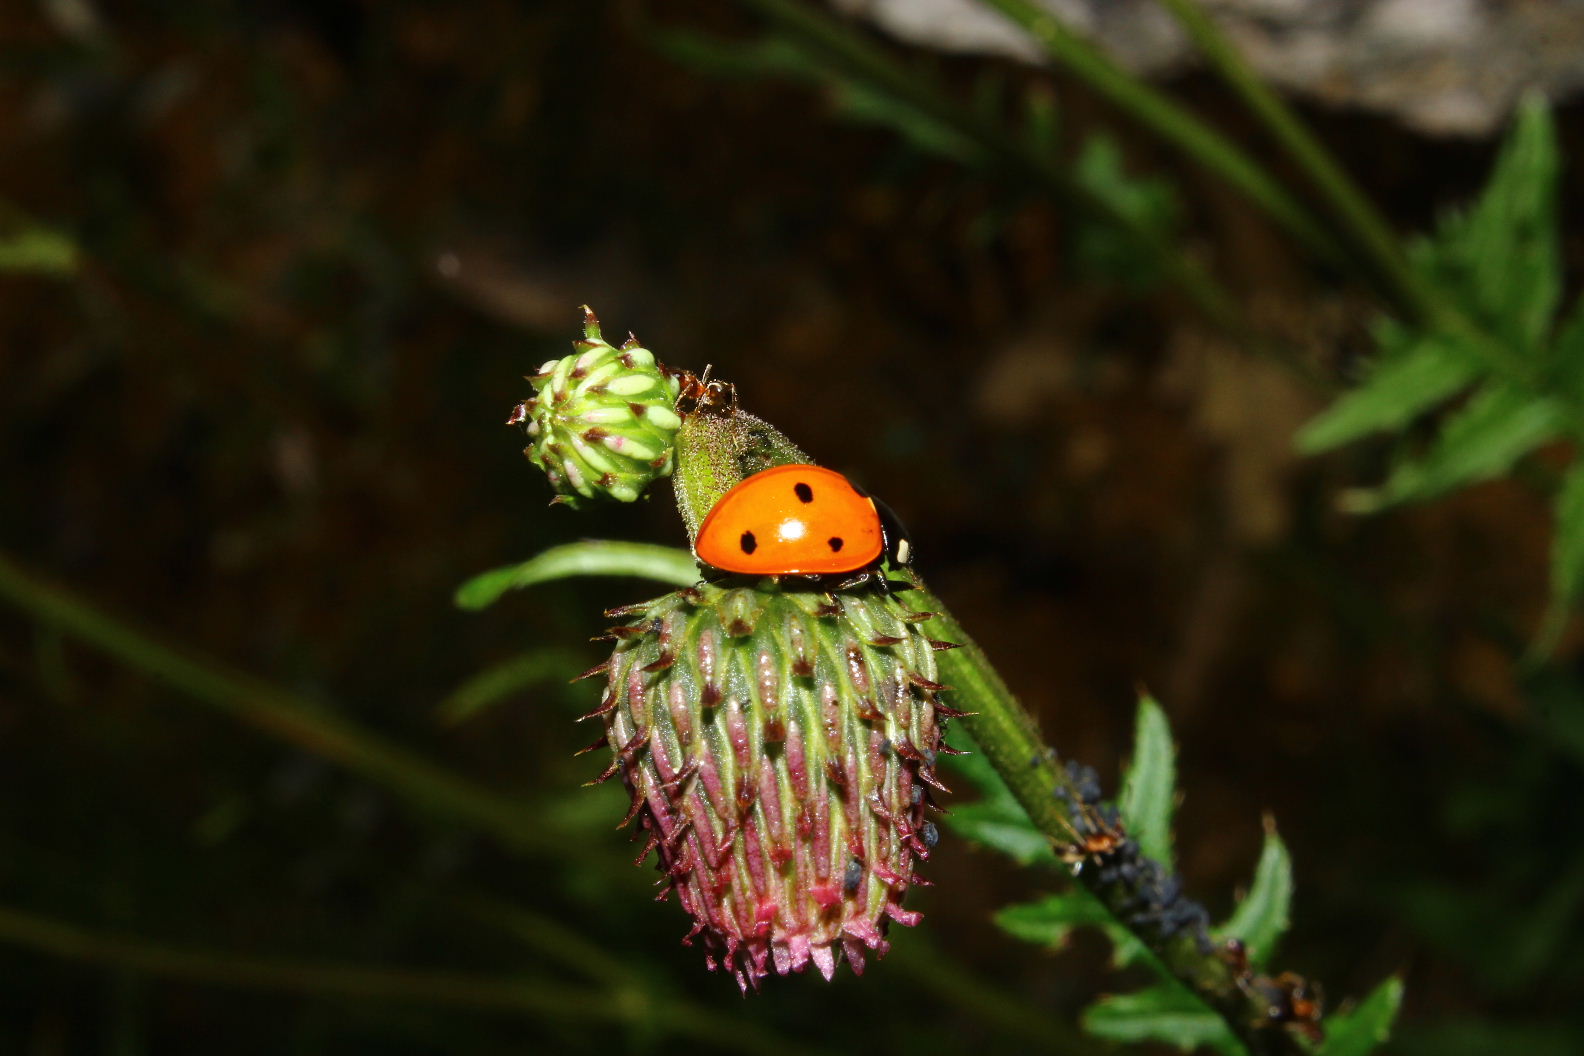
(1149, 899)
(1146, 895)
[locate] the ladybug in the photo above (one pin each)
(800, 520)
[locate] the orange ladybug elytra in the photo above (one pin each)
(796, 520)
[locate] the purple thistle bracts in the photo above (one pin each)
(780, 747)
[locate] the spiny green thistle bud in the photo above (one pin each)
(602, 421)
(780, 746)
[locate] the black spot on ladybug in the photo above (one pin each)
(748, 543)
(836, 543)
(804, 492)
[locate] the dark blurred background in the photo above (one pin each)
(298, 256)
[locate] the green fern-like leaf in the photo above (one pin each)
(1500, 263)
(1166, 1013)
(1262, 917)
(1359, 1031)
(1500, 425)
(1502, 257)
(1149, 789)
(1414, 374)
(995, 820)
(1048, 921)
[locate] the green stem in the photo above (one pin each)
(872, 64)
(532, 996)
(278, 713)
(1364, 224)
(1156, 111)
(1011, 743)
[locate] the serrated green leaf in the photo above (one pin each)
(1404, 384)
(1149, 787)
(1166, 1013)
(1002, 827)
(592, 557)
(1047, 921)
(1358, 1032)
(1503, 257)
(1500, 425)
(1262, 917)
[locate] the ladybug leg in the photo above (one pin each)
(853, 582)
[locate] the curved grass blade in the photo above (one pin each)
(592, 557)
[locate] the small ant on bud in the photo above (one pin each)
(700, 395)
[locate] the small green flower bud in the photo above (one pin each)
(780, 746)
(602, 422)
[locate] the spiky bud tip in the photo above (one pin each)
(780, 747)
(602, 421)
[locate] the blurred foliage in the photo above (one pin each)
(1522, 390)
(269, 281)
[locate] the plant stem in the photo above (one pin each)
(1364, 224)
(280, 714)
(1156, 111)
(872, 64)
(1007, 736)
(532, 996)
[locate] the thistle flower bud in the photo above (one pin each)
(601, 421)
(780, 747)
